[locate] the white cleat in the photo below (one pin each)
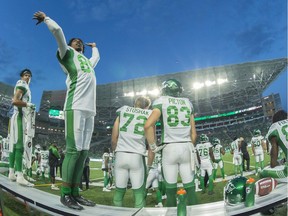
(54, 187)
(106, 189)
(22, 181)
(159, 205)
(198, 190)
(164, 197)
(30, 179)
(12, 176)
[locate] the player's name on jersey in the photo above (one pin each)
(282, 122)
(135, 110)
(177, 101)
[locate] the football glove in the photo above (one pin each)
(31, 106)
(154, 148)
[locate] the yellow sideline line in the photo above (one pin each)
(44, 185)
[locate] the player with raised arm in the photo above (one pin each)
(258, 145)
(205, 152)
(128, 142)
(278, 137)
(218, 151)
(18, 124)
(79, 109)
(178, 138)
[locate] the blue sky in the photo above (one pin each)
(140, 38)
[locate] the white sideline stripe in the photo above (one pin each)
(232, 163)
(43, 201)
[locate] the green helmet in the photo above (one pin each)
(215, 141)
(171, 87)
(235, 191)
(204, 138)
(256, 132)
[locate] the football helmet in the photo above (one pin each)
(215, 141)
(171, 87)
(204, 138)
(235, 191)
(256, 132)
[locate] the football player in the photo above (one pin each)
(22, 105)
(178, 138)
(153, 179)
(237, 156)
(128, 142)
(258, 144)
(79, 109)
(44, 161)
(278, 137)
(105, 168)
(218, 151)
(205, 152)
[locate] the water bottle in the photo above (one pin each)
(181, 202)
(250, 192)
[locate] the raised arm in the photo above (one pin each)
(55, 29)
(95, 54)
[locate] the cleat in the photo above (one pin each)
(68, 201)
(159, 205)
(164, 197)
(22, 181)
(81, 200)
(106, 189)
(12, 176)
(198, 189)
(30, 179)
(54, 187)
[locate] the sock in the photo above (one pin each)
(118, 196)
(65, 190)
(139, 197)
(171, 190)
(191, 197)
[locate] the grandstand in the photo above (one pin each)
(228, 101)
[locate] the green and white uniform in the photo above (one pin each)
(176, 156)
(206, 163)
(218, 160)
(280, 131)
(18, 125)
(80, 106)
(237, 157)
(256, 142)
(130, 154)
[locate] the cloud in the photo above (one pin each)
(255, 40)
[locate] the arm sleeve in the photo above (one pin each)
(57, 32)
(95, 57)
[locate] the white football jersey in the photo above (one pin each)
(131, 129)
(235, 147)
(105, 157)
(257, 143)
(203, 150)
(44, 156)
(280, 130)
(26, 97)
(175, 118)
(80, 81)
(217, 152)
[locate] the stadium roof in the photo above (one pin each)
(242, 82)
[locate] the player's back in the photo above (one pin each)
(280, 130)
(131, 129)
(175, 118)
(203, 150)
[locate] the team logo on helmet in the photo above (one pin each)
(204, 138)
(171, 87)
(257, 132)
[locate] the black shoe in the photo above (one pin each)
(68, 201)
(81, 200)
